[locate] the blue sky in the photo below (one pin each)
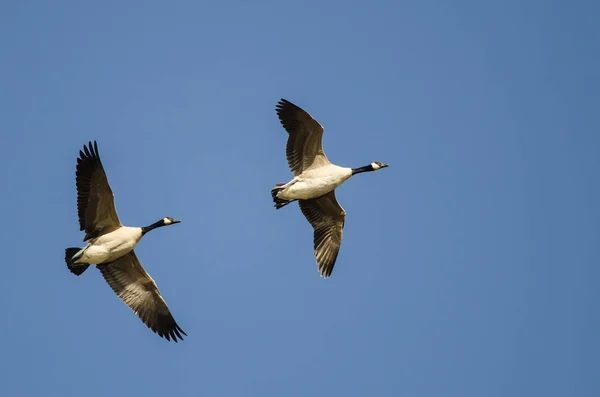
(468, 268)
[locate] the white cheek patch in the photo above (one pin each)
(167, 221)
(375, 166)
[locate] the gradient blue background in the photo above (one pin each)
(468, 268)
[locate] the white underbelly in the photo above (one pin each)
(111, 246)
(97, 254)
(304, 190)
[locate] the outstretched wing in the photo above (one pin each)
(95, 199)
(327, 217)
(304, 146)
(137, 289)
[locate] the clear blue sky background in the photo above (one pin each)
(468, 268)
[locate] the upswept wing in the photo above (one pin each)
(304, 147)
(95, 199)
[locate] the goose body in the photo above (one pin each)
(110, 246)
(314, 183)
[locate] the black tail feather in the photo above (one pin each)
(75, 268)
(279, 203)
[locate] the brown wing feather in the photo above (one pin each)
(327, 217)
(137, 289)
(95, 199)
(304, 145)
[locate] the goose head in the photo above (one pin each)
(169, 221)
(166, 221)
(374, 166)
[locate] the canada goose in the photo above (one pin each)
(110, 247)
(314, 183)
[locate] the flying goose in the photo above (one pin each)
(110, 247)
(314, 183)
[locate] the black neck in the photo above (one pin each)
(366, 168)
(156, 224)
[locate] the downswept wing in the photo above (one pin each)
(137, 289)
(327, 217)
(304, 145)
(95, 199)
